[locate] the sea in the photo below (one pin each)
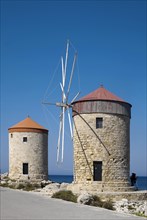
(141, 183)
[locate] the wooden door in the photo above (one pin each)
(97, 166)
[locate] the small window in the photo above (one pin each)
(25, 168)
(24, 139)
(11, 135)
(99, 122)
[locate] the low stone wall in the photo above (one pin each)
(130, 196)
(114, 196)
(96, 187)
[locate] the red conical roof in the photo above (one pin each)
(28, 125)
(101, 94)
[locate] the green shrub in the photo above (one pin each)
(20, 186)
(30, 186)
(65, 195)
(141, 214)
(6, 178)
(12, 180)
(96, 201)
(27, 186)
(4, 184)
(24, 186)
(12, 186)
(108, 205)
(131, 207)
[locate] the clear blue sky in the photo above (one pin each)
(110, 37)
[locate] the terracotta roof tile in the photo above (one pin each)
(101, 94)
(28, 123)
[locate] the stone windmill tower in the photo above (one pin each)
(28, 151)
(102, 142)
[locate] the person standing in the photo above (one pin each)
(133, 179)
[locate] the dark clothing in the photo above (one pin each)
(133, 179)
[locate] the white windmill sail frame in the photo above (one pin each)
(64, 104)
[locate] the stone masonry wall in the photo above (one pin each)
(110, 144)
(34, 152)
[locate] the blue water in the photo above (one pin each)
(61, 178)
(141, 180)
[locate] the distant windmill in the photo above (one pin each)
(64, 104)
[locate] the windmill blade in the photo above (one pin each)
(63, 91)
(63, 73)
(66, 58)
(63, 117)
(58, 104)
(69, 119)
(48, 103)
(75, 97)
(71, 75)
(59, 137)
(63, 82)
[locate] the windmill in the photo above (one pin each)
(64, 105)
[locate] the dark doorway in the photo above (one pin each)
(97, 166)
(25, 168)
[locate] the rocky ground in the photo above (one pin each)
(48, 188)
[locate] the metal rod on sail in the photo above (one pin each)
(59, 137)
(48, 103)
(71, 132)
(63, 91)
(58, 104)
(63, 101)
(62, 153)
(75, 97)
(71, 75)
(66, 58)
(63, 73)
